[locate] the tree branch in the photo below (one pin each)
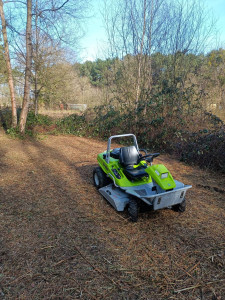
(53, 9)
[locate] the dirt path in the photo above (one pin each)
(59, 239)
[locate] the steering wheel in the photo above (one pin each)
(150, 155)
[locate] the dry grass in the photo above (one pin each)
(61, 240)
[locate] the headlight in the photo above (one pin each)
(164, 175)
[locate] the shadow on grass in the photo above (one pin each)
(60, 239)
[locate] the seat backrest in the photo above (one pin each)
(128, 156)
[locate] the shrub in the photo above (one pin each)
(5, 118)
(32, 122)
(41, 120)
(204, 147)
(205, 150)
(72, 124)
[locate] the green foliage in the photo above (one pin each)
(15, 133)
(32, 122)
(72, 124)
(96, 71)
(6, 118)
(41, 120)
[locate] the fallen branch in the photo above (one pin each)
(188, 288)
(188, 272)
(64, 260)
(198, 285)
(46, 247)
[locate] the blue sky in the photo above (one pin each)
(218, 9)
(95, 40)
(95, 37)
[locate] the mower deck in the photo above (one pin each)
(119, 197)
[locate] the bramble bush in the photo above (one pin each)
(72, 124)
(32, 122)
(195, 136)
(202, 144)
(205, 150)
(193, 140)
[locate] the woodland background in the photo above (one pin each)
(163, 77)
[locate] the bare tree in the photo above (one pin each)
(26, 98)
(131, 30)
(139, 28)
(55, 21)
(9, 68)
(51, 20)
(36, 92)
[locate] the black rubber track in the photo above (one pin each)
(133, 210)
(180, 207)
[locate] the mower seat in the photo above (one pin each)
(128, 158)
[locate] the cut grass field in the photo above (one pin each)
(61, 240)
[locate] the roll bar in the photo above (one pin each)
(119, 136)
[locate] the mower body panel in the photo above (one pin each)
(161, 175)
(169, 199)
(119, 197)
(115, 171)
(158, 200)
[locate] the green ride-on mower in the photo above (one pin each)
(126, 178)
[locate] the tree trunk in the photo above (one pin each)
(149, 57)
(36, 61)
(140, 64)
(36, 106)
(26, 97)
(8, 65)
